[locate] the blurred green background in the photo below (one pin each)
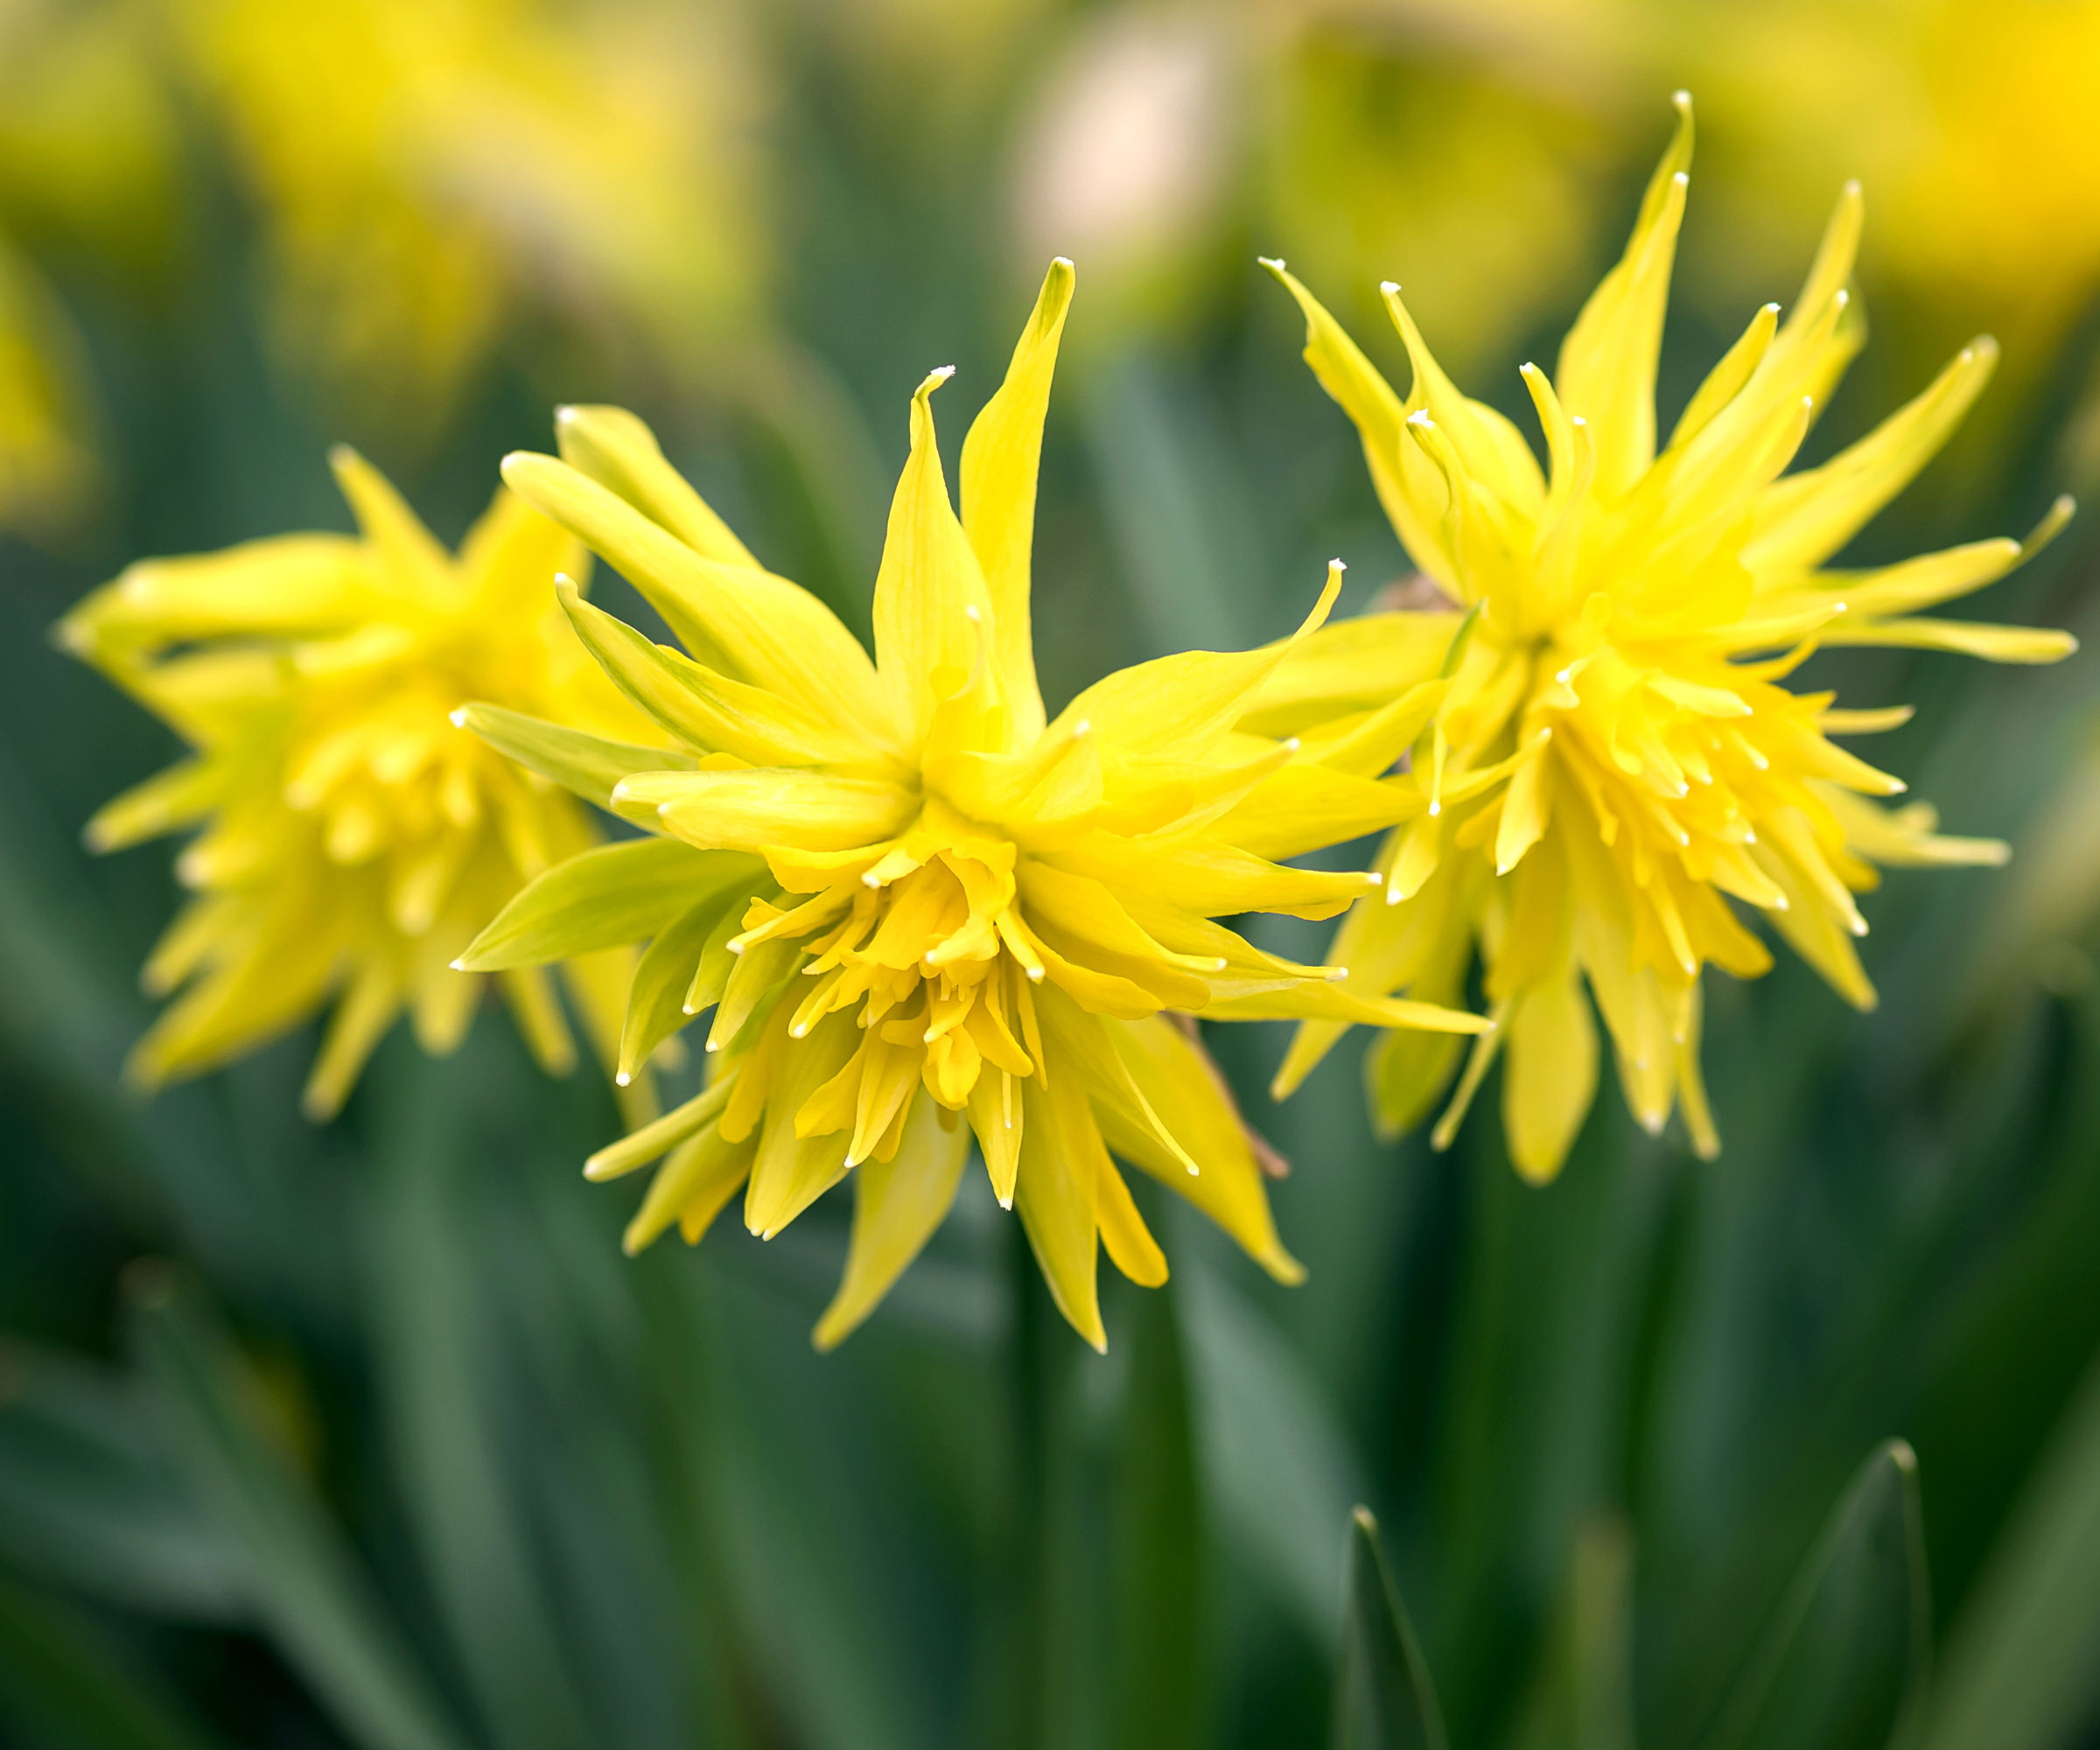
(369, 1436)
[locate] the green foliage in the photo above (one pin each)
(372, 1435)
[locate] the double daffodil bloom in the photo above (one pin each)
(354, 838)
(918, 908)
(1613, 756)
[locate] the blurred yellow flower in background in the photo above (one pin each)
(432, 170)
(354, 837)
(918, 909)
(1628, 617)
(48, 470)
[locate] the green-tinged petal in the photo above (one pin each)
(690, 1188)
(789, 1173)
(748, 624)
(708, 711)
(664, 974)
(588, 765)
(897, 1204)
(661, 1135)
(607, 898)
(612, 446)
(1000, 458)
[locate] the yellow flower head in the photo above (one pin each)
(1614, 756)
(354, 837)
(917, 909)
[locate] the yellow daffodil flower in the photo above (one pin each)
(1613, 756)
(918, 907)
(354, 837)
(48, 471)
(429, 169)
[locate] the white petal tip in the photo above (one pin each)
(1682, 180)
(714, 1044)
(1388, 287)
(1435, 809)
(1035, 975)
(1274, 263)
(1576, 419)
(1373, 879)
(458, 718)
(458, 965)
(1292, 744)
(622, 1079)
(1681, 99)
(1084, 726)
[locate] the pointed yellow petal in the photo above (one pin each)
(689, 1188)
(1061, 1160)
(746, 624)
(1184, 1093)
(750, 810)
(897, 1204)
(1606, 372)
(1806, 517)
(612, 446)
(999, 462)
(412, 562)
(932, 608)
(1552, 1076)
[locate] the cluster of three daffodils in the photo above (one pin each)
(918, 909)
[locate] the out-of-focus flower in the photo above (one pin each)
(429, 168)
(1969, 122)
(1126, 158)
(47, 466)
(89, 144)
(1612, 758)
(354, 838)
(917, 909)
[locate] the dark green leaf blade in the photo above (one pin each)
(60, 1687)
(1159, 1542)
(88, 1498)
(1384, 1699)
(1847, 1656)
(307, 1588)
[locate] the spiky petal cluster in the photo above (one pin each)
(354, 837)
(1612, 666)
(917, 909)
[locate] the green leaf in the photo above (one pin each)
(1582, 1697)
(1846, 1658)
(1284, 1472)
(663, 975)
(1160, 1631)
(60, 1687)
(436, 1368)
(2022, 1669)
(307, 1588)
(588, 764)
(88, 1496)
(608, 897)
(1384, 1699)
